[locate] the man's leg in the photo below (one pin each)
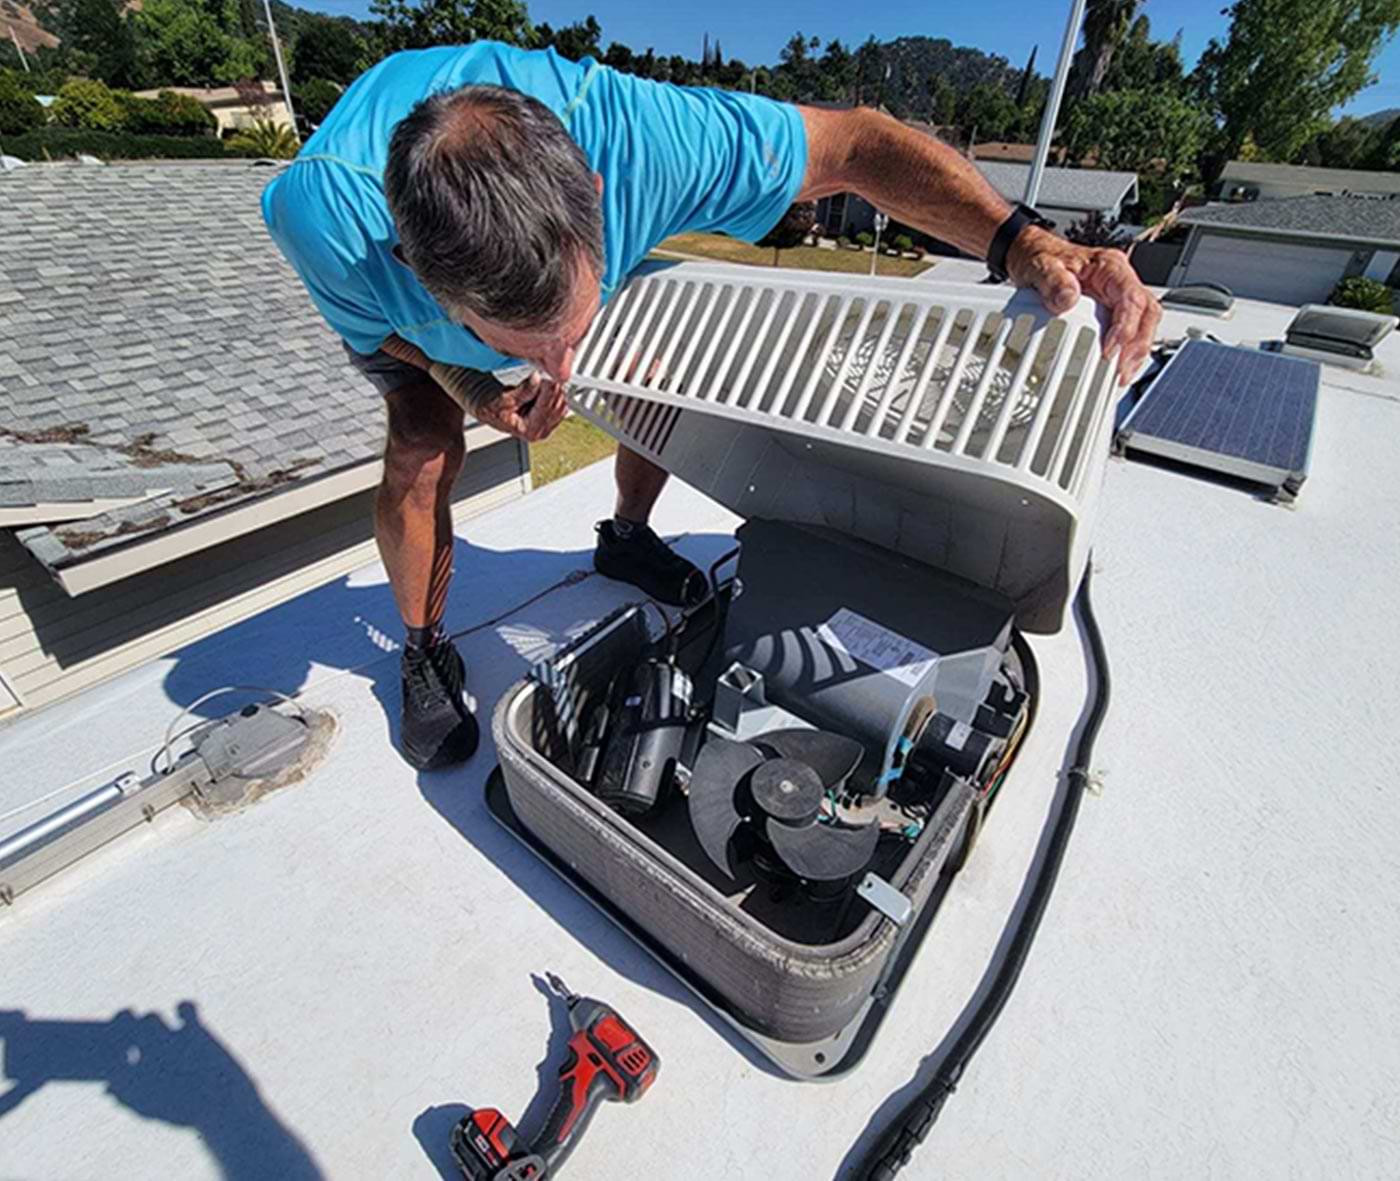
(639, 483)
(627, 548)
(413, 525)
(413, 516)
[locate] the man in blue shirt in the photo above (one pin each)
(466, 209)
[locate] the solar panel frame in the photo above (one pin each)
(1237, 411)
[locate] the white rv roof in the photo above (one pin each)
(1212, 991)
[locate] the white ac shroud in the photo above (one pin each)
(957, 424)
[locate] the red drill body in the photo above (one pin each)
(607, 1061)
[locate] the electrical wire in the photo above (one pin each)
(895, 1146)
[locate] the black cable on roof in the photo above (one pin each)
(894, 1148)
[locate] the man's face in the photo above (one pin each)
(550, 350)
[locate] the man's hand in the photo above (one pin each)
(1060, 272)
(529, 411)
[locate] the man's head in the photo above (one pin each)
(499, 216)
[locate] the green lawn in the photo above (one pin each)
(808, 258)
(575, 444)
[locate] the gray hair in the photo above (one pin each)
(495, 205)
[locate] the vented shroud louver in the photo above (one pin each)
(951, 423)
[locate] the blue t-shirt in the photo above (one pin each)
(672, 158)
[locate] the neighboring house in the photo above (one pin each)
(1246, 181)
(1066, 195)
(182, 441)
(1293, 250)
(229, 108)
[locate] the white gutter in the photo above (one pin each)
(108, 566)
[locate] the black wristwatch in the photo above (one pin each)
(1009, 230)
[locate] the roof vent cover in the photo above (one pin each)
(943, 421)
(1346, 331)
(1210, 299)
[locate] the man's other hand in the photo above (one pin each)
(1060, 272)
(529, 411)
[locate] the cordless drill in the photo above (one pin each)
(607, 1060)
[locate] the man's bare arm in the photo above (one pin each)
(924, 183)
(529, 411)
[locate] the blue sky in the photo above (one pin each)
(756, 32)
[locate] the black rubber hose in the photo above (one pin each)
(894, 1148)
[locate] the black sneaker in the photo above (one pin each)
(647, 562)
(438, 728)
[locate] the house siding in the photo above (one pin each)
(53, 645)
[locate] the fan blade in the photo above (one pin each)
(823, 852)
(718, 771)
(832, 756)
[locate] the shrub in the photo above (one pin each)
(1367, 295)
(865, 238)
(276, 141)
(1096, 230)
(842, 240)
(169, 113)
(315, 100)
(19, 110)
(904, 243)
(57, 143)
(89, 105)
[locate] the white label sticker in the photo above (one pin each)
(959, 734)
(877, 646)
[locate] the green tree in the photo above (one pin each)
(19, 109)
(836, 73)
(1286, 65)
(576, 41)
(987, 112)
(943, 101)
(621, 57)
(1386, 152)
(188, 43)
(1106, 24)
(89, 104)
(1140, 63)
(94, 39)
(792, 228)
(417, 24)
(1139, 131)
(315, 100)
(328, 48)
(169, 113)
(1348, 143)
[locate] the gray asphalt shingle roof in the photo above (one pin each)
(1061, 188)
(1362, 219)
(145, 312)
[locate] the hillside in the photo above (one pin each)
(26, 28)
(1382, 118)
(917, 62)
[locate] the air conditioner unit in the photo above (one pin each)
(772, 797)
(1337, 336)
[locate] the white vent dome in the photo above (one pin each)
(955, 423)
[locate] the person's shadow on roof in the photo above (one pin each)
(182, 1075)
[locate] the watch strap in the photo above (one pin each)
(1007, 233)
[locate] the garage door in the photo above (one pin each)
(1257, 268)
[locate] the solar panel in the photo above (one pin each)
(1232, 410)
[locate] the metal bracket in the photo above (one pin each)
(886, 899)
(253, 744)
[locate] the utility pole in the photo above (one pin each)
(24, 61)
(1052, 102)
(281, 68)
